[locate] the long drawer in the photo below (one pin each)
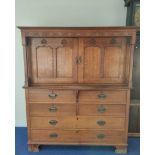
(78, 136)
(84, 96)
(82, 122)
(45, 109)
(97, 97)
(52, 96)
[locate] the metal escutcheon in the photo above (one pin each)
(53, 109)
(101, 122)
(52, 95)
(101, 109)
(53, 135)
(100, 136)
(53, 122)
(102, 96)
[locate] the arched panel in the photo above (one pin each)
(64, 62)
(45, 62)
(92, 57)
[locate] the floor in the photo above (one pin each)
(21, 147)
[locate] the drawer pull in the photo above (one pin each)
(52, 95)
(101, 122)
(53, 109)
(100, 136)
(101, 109)
(102, 96)
(53, 135)
(53, 122)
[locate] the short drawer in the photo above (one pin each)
(51, 96)
(102, 136)
(102, 109)
(55, 136)
(110, 96)
(46, 109)
(67, 122)
(78, 136)
(98, 122)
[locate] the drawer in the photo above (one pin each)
(102, 136)
(98, 122)
(102, 109)
(109, 96)
(55, 136)
(46, 109)
(52, 96)
(53, 122)
(78, 136)
(83, 122)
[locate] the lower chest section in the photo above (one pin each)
(77, 116)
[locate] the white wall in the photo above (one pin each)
(60, 13)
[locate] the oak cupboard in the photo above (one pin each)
(77, 85)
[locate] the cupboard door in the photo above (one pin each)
(102, 60)
(53, 60)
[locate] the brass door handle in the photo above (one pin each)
(53, 122)
(100, 136)
(101, 123)
(78, 60)
(102, 96)
(53, 135)
(101, 109)
(52, 109)
(52, 95)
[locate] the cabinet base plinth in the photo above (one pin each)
(121, 149)
(33, 148)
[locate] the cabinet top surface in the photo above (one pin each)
(81, 28)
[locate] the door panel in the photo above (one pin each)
(103, 60)
(53, 60)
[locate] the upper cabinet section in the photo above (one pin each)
(78, 55)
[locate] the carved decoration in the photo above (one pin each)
(128, 40)
(64, 42)
(76, 34)
(92, 41)
(113, 41)
(43, 41)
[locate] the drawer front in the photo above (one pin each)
(83, 122)
(96, 122)
(52, 109)
(55, 136)
(102, 136)
(78, 136)
(53, 122)
(102, 109)
(96, 97)
(52, 96)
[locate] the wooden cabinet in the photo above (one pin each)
(77, 84)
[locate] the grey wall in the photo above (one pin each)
(59, 13)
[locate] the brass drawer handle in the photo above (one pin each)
(100, 136)
(101, 122)
(102, 96)
(53, 135)
(53, 122)
(52, 95)
(101, 109)
(52, 109)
